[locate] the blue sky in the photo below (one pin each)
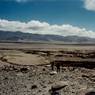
(77, 13)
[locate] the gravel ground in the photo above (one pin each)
(38, 80)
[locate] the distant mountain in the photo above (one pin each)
(15, 36)
(20, 36)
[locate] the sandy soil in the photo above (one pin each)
(43, 46)
(25, 59)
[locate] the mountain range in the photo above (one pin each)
(20, 36)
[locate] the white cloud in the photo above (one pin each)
(24, 1)
(89, 4)
(18, 1)
(37, 27)
(21, 0)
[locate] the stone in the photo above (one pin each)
(59, 85)
(90, 93)
(53, 73)
(34, 86)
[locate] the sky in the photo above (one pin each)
(58, 17)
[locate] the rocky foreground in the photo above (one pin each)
(38, 80)
(29, 73)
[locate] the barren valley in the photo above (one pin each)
(26, 69)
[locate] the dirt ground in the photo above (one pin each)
(26, 71)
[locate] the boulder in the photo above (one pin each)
(59, 85)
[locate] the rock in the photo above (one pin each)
(34, 86)
(24, 70)
(82, 90)
(59, 85)
(90, 93)
(48, 65)
(53, 73)
(55, 93)
(19, 74)
(85, 76)
(6, 78)
(44, 69)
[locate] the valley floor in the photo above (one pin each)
(25, 71)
